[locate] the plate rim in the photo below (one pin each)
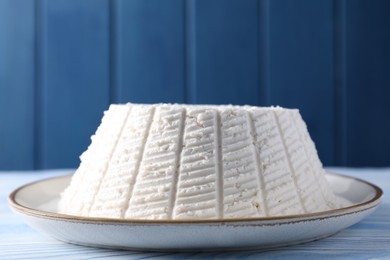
(297, 217)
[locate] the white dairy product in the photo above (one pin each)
(199, 162)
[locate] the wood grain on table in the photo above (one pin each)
(369, 239)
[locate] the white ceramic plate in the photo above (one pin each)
(37, 202)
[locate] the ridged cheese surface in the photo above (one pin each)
(199, 162)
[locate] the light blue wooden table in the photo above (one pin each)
(369, 239)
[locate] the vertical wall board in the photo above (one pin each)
(16, 84)
(226, 46)
(368, 82)
(149, 52)
(74, 77)
(301, 66)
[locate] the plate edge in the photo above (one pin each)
(372, 203)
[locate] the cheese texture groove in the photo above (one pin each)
(169, 161)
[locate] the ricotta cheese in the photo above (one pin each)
(168, 161)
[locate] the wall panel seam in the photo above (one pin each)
(113, 83)
(263, 55)
(190, 91)
(340, 84)
(38, 90)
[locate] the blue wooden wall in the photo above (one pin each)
(62, 62)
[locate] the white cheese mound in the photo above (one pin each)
(199, 162)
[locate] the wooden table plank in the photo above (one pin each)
(368, 239)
